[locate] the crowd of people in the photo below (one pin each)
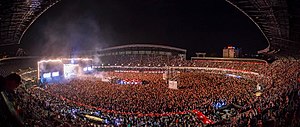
(224, 99)
(163, 60)
(155, 97)
(44, 109)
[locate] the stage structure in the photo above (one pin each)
(58, 70)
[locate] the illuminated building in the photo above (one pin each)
(231, 52)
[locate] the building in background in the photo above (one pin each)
(136, 54)
(231, 52)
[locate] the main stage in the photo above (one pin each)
(58, 70)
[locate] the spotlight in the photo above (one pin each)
(85, 69)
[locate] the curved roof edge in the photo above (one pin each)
(23, 33)
(260, 29)
(144, 45)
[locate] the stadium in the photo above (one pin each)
(151, 84)
(136, 54)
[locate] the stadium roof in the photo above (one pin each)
(144, 46)
(16, 16)
(278, 20)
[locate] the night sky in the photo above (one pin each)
(195, 25)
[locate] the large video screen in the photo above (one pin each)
(71, 70)
(50, 72)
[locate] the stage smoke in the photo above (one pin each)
(69, 34)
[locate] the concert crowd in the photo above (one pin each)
(226, 100)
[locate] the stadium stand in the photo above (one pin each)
(200, 100)
(207, 93)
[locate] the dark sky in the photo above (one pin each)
(196, 25)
